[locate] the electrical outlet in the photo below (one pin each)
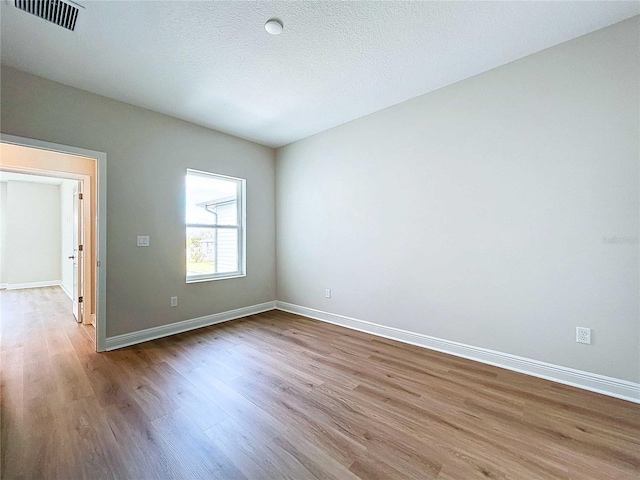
(174, 301)
(327, 293)
(583, 335)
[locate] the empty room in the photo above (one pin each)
(320, 240)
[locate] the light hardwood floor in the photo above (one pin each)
(281, 396)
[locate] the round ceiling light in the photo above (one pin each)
(273, 27)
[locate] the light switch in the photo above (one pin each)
(143, 240)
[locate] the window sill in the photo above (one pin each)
(211, 279)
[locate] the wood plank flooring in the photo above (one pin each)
(278, 396)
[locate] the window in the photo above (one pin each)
(215, 223)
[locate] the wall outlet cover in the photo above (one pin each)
(583, 335)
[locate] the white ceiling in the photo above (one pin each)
(212, 63)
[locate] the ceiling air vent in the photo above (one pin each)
(61, 13)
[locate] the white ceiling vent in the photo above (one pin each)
(63, 14)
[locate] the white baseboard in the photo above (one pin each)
(577, 378)
(140, 336)
(3, 286)
(69, 294)
(47, 283)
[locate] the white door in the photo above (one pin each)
(78, 254)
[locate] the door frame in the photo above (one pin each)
(78, 267)
(100, 219)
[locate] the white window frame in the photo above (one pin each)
(241, 228)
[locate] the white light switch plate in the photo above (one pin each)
(143, 240)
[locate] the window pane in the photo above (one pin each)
(211, 250)
(200, 251)
(214, 211)
(227, 213)
(206, 195)
(227, 250)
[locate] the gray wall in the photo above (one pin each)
(147, 158)
(32, 246)
(476, 213)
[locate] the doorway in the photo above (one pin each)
(88, 171)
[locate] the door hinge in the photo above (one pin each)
(80, 248)
(79, 299)
(79, 196)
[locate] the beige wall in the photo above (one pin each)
(477, 213)
(32, 246)
(3, 233)
(147, 158)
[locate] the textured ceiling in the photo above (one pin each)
(212, 63)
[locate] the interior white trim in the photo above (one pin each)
(69, 294)
(127, 339)
(576, 378)
(101, 221)
(46, 283)
(3, 286)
